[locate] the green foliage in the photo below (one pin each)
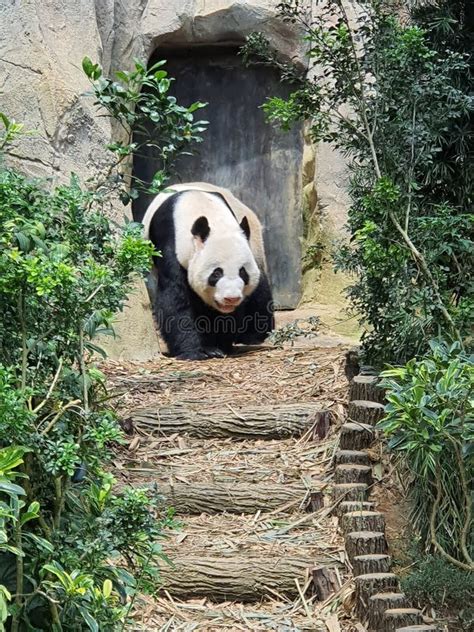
(435, 581)
(149, 118)
(430, 424)
(73, 553)
(395, 100)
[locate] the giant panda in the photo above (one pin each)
(212, 285)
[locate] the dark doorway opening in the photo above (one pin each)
(260, 164)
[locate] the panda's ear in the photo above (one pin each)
(245, 226)
(201, 229)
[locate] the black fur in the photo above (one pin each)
(201, 228)
(191, 329)
(244, 225)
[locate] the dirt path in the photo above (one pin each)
(242, 448)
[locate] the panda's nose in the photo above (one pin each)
(232, 300)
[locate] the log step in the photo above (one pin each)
(395, 618)
(365, 543)
(238, 577)
(358, 457)
(350, 491)
(365, 411)
(347, 506)
(366, 387)
(381, 602)
(239, 498)
(372, 563)
(353, 473)
(363, 521)
(372, 584)
(276, 421)
(356, 436)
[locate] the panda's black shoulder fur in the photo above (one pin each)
(190, 328)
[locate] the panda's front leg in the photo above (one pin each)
(177, 320)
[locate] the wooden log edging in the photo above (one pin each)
(269, 422)
(379, 603)
(240, 498)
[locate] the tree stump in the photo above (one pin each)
(368, 564)
(240, 498)
(363, 521)
(372, 584)
(353, 473)
(350, 491)
(396, 618)
(275, 421)
(346, 506)
(365, 543)
(356, 436)
(357, 457)
(381, 602)
(366, 387)
(325, 582)
(365, 411)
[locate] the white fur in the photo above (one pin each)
(240, 210)
(226, 247)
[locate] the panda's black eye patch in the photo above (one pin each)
(215, 275)
(244, 275)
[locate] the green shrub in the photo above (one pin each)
(430, 425)
(395, 99)
(435, 581)
(72, 552)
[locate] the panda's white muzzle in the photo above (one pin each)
(228, 294)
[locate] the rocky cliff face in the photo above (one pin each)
(42, 43)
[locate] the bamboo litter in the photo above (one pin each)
(263, 376)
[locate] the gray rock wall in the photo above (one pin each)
(42, 43)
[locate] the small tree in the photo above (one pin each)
(72, 552)
(393, 104)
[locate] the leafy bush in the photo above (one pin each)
(398, 105)
(149, 119)
(430, 424)
(437, 582)
(72, 552)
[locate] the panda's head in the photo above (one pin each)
(223, 270)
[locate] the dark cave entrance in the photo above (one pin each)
(258, 163)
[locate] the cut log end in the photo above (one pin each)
(352, 456)
(347, 506)
(365, 411)
(350, 491)
(356, 436)
(375, 563)
(394, 618)
(366, 387)
(353, 473)
(365, 543)
(379, 603)
(363, 521)
(372, 584)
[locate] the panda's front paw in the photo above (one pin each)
(213, 352)
(195, 354)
